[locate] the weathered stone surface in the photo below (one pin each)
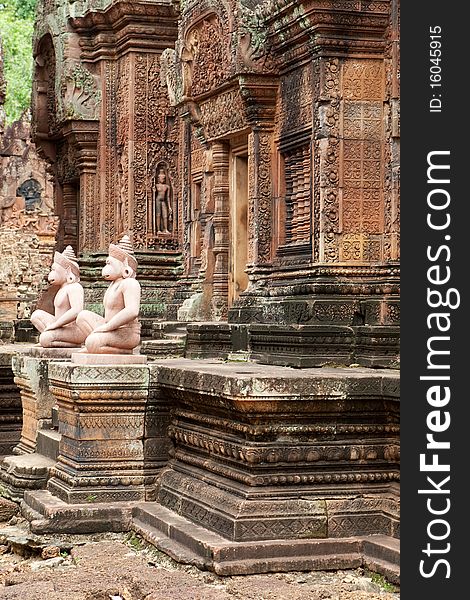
(31, 369)
(193, 544)
(263, 452)
(24, 472)
(8, 509)
(281, 169)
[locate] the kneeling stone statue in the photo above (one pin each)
(59, 330)
(118, 332)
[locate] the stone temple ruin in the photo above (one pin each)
(249, 149)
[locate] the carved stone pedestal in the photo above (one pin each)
(101, 419)
(266, 453)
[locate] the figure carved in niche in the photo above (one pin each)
(118, 332)
(161, 195)
(59, 330)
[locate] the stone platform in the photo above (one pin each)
(297, 345)
(31, 370)
(276, 466)
(193, 544)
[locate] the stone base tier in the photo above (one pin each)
(193, 544)
(263, 452)
(108, 359)
(244, 513)
(49, 514)
(297, 345)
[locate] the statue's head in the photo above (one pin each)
(121, 260)
(161, 177)
(65, 268)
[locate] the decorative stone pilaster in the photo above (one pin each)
(260, 197)
(220, 156)
(102, 422)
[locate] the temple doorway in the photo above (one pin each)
(238, 248)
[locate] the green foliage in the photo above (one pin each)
(23, 9)
(16, 32)
(382, 582)
(134, 541)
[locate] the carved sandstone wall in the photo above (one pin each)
(276, 125)
(307, 94)
(102, 116)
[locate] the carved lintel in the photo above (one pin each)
(311, 25)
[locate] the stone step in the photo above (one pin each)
(381, 552)
(176, 551)
(192, 544)
(162, 329)
(196, 540)
(47, 443)
(176, 335)
(50, 514)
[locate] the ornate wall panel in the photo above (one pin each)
(351, 157)
(296, 99)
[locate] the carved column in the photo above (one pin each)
(259, 209)
(220, 156)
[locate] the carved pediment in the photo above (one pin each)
(205, 57)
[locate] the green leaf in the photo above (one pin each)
(16, 32)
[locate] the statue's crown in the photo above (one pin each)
(124, 252)
(68, 260)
